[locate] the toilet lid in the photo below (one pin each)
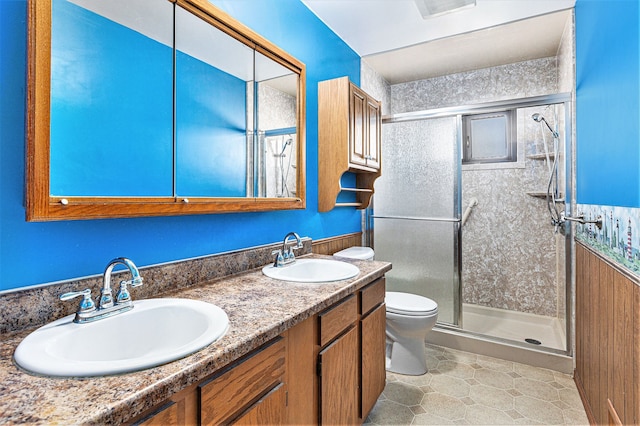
(409, 304)
(356, 252)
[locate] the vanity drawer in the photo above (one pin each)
(336, 319)
(233, 390)
(372, 296)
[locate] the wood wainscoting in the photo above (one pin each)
(334, 244)
(607, 339)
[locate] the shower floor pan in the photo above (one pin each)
(516, 326)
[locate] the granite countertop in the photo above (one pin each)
(259, 309)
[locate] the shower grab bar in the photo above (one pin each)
(472, 203)
(429, 219)
(581, 220)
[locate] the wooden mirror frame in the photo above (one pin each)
(41, 206)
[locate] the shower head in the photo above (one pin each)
(285, 145)
(539, 118)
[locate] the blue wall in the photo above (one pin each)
(35, 253)
(607, 102)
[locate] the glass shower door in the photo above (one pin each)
(416, 218)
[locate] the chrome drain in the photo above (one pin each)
(533, 341)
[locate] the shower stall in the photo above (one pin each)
(482, 235)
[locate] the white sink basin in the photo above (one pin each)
(154, 332)
(312, 271)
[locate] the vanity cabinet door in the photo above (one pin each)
(247, 391)
(166, 415)
(269, 410)
(372, 323)
(338, 371)
(372, 344)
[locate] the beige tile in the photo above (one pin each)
(417, 409)
(431, 419)
(460, 356)
(500, 392)
(403, 393)
(495, 364)
(494, 378)
(492, 397)
(564, 379)
(526, 421)
(390, 413)
(433, 349)
(575, 417)
(537, 410)
(444, 406)
(571, 397)
(423, 380)
(455, 369)
(536, 389)
(432, 362)
(536, 373)
(450, 386)
(481, 415)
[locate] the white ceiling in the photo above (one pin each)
(398, 43)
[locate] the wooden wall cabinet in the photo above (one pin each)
(349, 137)
(329, 369)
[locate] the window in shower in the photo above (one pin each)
(489, 137)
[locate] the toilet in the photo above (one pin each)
(409, 318)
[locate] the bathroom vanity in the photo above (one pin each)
(294, 353)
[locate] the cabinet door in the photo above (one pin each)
(374, 123)
(338, 369)
(372, 344)
(168, 414)
(233, 391)
(269, 410)
(357, 127)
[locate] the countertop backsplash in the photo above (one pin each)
(39, 305)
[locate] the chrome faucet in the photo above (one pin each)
(88, 312)
(285, 255)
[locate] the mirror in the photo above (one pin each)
(128, 119)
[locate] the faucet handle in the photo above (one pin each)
(123, 295)
(86, 304)
(279, 261)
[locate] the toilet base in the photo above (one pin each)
(406, 357)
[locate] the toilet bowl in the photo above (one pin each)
(409, 318)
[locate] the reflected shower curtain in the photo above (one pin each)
(416, 218)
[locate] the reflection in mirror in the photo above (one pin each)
(111, 98)
(214, 79)
(277, 114)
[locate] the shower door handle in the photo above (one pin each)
(429, 219)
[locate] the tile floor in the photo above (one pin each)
(469, 389)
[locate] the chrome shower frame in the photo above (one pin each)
(565, 99)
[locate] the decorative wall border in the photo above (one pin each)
(619, 238)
